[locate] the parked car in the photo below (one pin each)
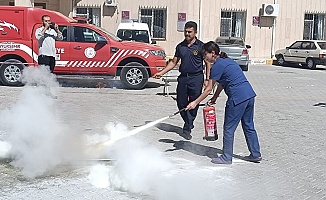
(308, 53)
(134, 31)
(236, 49)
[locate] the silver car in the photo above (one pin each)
(308, 53)
(236, 49)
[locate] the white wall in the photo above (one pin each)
(289, 23)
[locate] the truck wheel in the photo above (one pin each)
(11, 72)
(311, 64)
(134, 76)
(280, 60)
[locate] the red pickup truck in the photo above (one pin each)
(85, 49)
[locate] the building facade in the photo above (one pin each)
(293, 20)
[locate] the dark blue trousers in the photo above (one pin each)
(189, 88)
(243, 112)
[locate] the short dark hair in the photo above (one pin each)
(191, 24)
(44, 16)
(211, 46)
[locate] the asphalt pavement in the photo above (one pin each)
(157, 163)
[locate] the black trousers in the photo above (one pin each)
(47, 60)
(189, 88)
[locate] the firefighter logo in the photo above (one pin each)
(90, 52)
(195, 52)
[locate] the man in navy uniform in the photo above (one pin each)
(239, 106)
(191, 79)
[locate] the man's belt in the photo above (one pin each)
(191, 74)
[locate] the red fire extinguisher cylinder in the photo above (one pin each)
(210, 123)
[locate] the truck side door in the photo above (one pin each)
(88, 56)
(62, 51)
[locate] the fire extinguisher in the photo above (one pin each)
(210, 123)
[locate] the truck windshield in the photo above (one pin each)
(111, 35)
(133, 35)
(322, 45)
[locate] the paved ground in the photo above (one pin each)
(159, 164)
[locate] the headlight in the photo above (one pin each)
(158, 53)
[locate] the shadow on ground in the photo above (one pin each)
(297, 66)
(197, 149)
(191, 147)
(169, 128)
(320, 105)
(98, 83)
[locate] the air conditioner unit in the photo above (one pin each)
(112, 3)
(270, 10)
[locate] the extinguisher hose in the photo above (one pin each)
(183, 109)
(177, 112)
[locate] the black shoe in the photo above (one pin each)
(250, 158)
(187, 137)
(186, 134)
(219, 160)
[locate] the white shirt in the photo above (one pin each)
(46, 42)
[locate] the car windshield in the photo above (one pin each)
(322, 45)
(133, 35)
(229, 41)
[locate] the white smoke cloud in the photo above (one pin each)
(39, 142)
(5, 149)
(140, 168)
(137, 166)
(99, 176)
(41, 77)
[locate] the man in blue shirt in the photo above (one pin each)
(191, 79)
(239, 106)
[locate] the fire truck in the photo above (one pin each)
(85, 49)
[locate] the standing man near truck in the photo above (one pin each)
(191, 79)
(46, 36)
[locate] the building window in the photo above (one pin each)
(156, 20)
(233, 24)
(91, 14)
(314, 27)
(40, 5)
(36, 5)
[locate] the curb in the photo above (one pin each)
(262, 61)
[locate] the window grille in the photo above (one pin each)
(233, 24)
(314, 27)
(156, 20)
(91, 14)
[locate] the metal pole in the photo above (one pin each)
(199, 20)
(273, 35)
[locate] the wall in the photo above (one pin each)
(289, 23)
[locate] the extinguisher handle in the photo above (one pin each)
(209, 104)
